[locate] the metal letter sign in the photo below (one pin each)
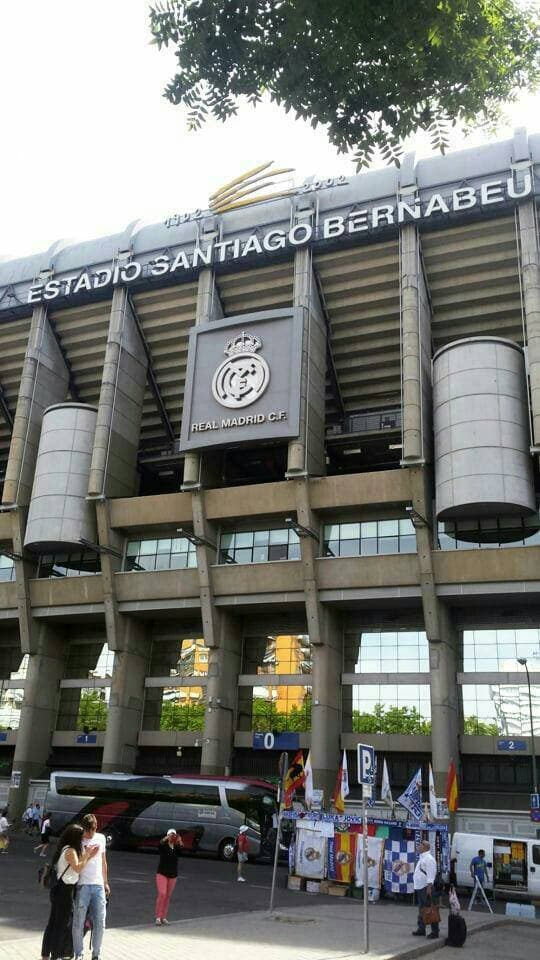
(366, 764)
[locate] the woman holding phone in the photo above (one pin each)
(170, 849)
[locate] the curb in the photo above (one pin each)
(427, 948)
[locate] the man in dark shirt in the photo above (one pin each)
(170, 849)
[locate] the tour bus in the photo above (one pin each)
(137, 811)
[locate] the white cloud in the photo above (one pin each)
(90, 144)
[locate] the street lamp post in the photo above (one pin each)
(523, 662)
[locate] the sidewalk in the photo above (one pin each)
(317, 931)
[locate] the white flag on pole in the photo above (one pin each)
(344, 776)
(432, 796)
(308, 782)
(386, 790)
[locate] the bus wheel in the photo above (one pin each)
(227, 849)
(111, 839)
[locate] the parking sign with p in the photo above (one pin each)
(366, 764)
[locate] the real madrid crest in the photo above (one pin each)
(244, 376)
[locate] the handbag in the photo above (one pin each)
(430, 915)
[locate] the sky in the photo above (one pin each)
(89, 144)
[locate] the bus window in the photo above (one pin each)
(251, 807)
(536, 854)
(200, 794)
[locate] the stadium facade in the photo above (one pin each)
(275, 471)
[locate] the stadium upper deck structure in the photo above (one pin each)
(275, 470)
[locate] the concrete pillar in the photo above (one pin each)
(306, 454)
(208, 309)
(46, 668)
(416, 350)
(44, 381)
(224, 661)
(444, 692)
(530, 282)
(126, 700)
(118, 427)
(326, 707)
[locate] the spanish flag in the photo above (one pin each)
(342, 856)
(452, 795)
(341, 789)
(294, 778)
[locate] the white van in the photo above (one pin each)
(513, 862)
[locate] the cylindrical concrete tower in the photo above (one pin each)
(59, 515)
(483, 465)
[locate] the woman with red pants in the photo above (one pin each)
(170, 849)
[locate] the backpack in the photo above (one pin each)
(457, 931)
(48, 877)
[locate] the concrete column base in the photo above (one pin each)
(326, 708)
(126, 701)
(224, 663)
(38, 713)
(444, 700)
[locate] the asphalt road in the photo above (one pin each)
(206, 887)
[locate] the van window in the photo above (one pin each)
(536, 853)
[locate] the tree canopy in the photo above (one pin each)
(371, 71)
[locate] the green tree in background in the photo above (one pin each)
(266, 717)
(390, 720)
(480, 728)
(371, 71)
(92, 711)
(182, 716)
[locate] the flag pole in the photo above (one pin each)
(283, 766)
(365, 868)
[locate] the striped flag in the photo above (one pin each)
(294, 778)
(411, 798)
(341, 789)
(432, 796)
(452, 794)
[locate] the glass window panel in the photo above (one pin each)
(179, 561)
(349, 531)
(388, 528)
(148, 547)
(278, 551)
(293, 537)
(163, 561)
(406, 527)
(244, 539)
(388, 545)
(243, 556)
(279, 536)
(331, 531)
(349, 548)
(407, 544)
(261, 537)
(260, 554)
(227, 540)
(164, 546)
(368, 547)
(192, 559)
(332, 548)
(368, 529)
(294, 551)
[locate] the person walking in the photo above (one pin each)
(68, 862)
(27, 819)
(170, 848)
(4, 832)
(45, 837)
(92, 890)
(36, 819)
(424, 879)
(242, 847)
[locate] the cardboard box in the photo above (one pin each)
(338, 889)
(296, 883)
(323, 886)
(313, 886)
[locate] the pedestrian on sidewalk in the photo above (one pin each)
(92, 891)
(27, 819)
(170, 848)
(45, 837)
(36, 819)
(4, 832)
(242, 847)
(68, 863)
(424, 879)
